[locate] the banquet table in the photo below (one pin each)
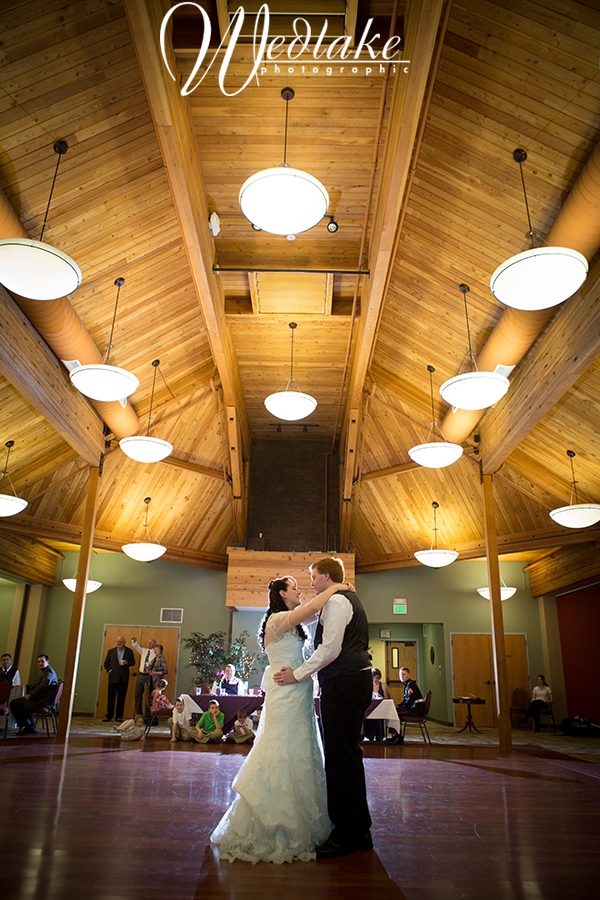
(230, 704)
(377, 709)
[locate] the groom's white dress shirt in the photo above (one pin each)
(335, 616)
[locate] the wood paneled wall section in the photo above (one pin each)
(564, 567)
(250, 571)
(27, 560)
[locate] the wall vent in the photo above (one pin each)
(174, 616)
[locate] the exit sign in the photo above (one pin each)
(400, 607)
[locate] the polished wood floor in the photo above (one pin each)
(104, 819)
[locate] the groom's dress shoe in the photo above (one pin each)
(330, 849)
(365, 842)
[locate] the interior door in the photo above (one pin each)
(398, 654)
(473, 672)
(167, 636)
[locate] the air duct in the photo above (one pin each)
(577, 226)
(65, 334)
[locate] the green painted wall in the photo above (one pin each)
(133, 593)
(7, 596)
(446, 601)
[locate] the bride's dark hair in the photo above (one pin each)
(277, 604)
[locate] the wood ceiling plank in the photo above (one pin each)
(27, 560)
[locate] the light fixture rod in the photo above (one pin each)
(147, 501)
(155, 364)
(60, 147)
(293, 327)
(464, 289)
(431, 370)
(8, 446)
(571, 454)
(435, 506)
(119, 282)
(217, 269)
(520, 155)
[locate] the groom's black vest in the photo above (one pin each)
(354, 654)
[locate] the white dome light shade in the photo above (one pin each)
(290, 405)
(91, 586)
(539, 278)
(577, 515)
(283, 200)
(474, 390)
(143, 552)
(100, 382)
(505, 592)
(436, 454)
(145, 449)
(436, 559)
(11, 505)
(36, 270)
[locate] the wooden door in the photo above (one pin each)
(167, 636)
(473, 672)
(398, 654)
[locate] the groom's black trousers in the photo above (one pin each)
(344, 701)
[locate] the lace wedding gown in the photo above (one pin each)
(280, 813)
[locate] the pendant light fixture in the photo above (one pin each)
(10, 504)
(34, 269)
(505, 592)
(144, 551)
(144, 448)
(91, 586)
(435, 454)
(283, 200)
(540, 277)
(291, 404)
(475, 389)
(101, 381)
(575, 515)
(434, 558)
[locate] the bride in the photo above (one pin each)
(280, 813)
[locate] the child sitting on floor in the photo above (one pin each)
(181, 720)
(243, 732)
(131, 729)
(209, 729)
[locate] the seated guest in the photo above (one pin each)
(413, 698)
(229, 684)
(541, 698)
(181, 719)
(159, 698)
(373, 728)
(8, 671)
(209, 729)
(243, 732)
(131, 729)
(41, 692)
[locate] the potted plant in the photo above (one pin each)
(210, 654)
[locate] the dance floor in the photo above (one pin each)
(100, 818)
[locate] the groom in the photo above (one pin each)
(342, 660)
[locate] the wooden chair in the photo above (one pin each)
(419, 719)
(4, 707)
(155, 718)
(549, 715)
(49, 712)
(518, 708)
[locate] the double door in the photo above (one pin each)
(167, 636)
(473, 673)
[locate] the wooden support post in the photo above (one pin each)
(83, 568)
(498, 645)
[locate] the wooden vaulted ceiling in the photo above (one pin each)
(426, 193)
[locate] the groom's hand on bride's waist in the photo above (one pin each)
(284, 676)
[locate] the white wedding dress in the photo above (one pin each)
(280, 813)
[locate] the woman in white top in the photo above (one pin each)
(280, 813)
(541, 700)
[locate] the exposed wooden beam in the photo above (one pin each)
(172, 122)
(193, 467)
(34, 371)
(508, 543)
(423, 38)
(27, 560)
(49, 530)
(567, 348)
(564, 567)
(409, 466)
